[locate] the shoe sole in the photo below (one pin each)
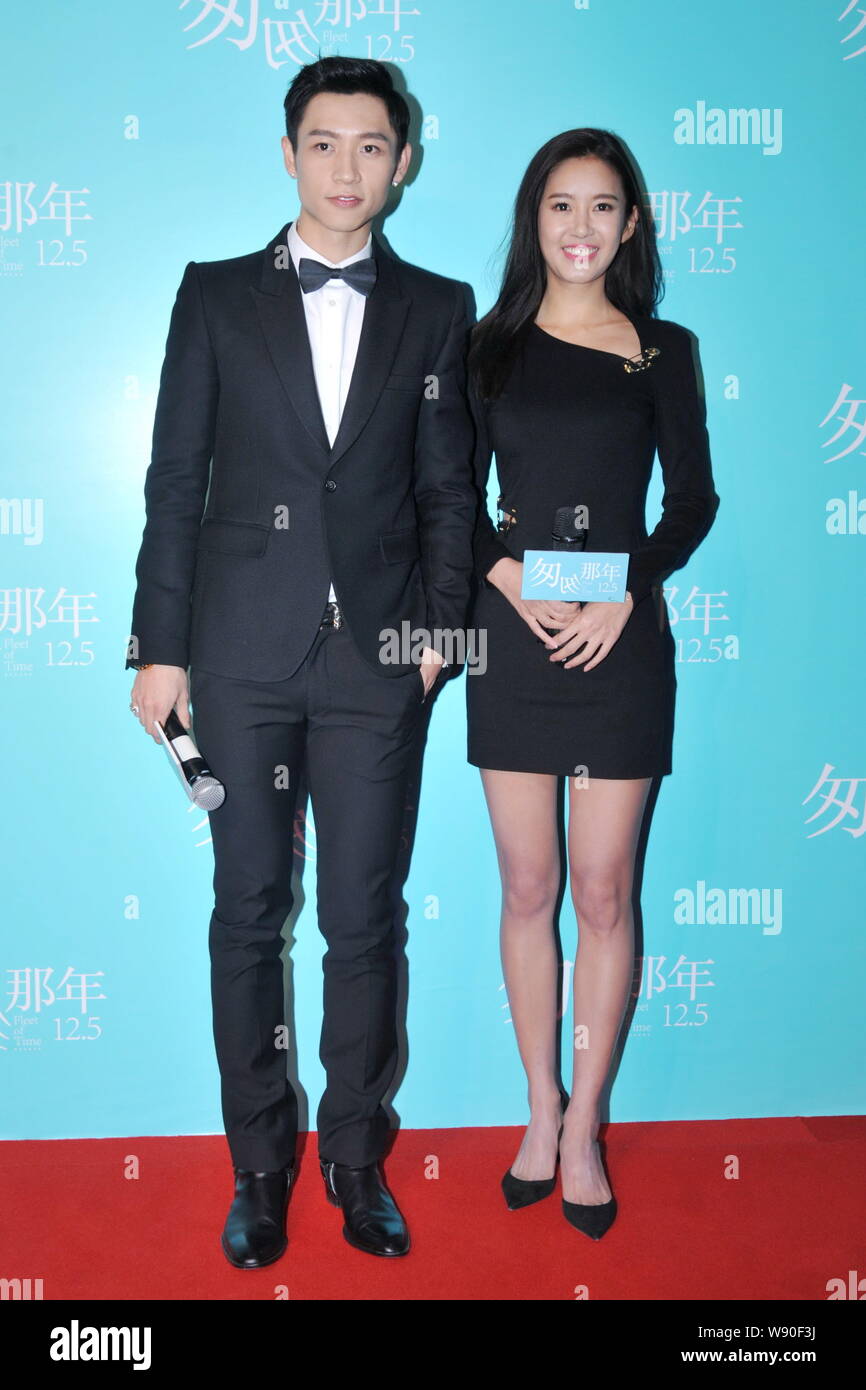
(261, 1264)
(368, 1250)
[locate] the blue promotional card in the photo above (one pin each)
(582, 575)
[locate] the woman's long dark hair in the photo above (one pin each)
(633, 282)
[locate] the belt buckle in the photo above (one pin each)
(333, 617)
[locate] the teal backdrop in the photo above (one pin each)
(137, 137)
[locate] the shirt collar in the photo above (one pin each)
(298, 248)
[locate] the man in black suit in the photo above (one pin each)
(309, 495)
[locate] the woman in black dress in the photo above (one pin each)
(574, 385)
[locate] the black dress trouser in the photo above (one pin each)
(354, 731)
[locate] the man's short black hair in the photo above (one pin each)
(346, 76)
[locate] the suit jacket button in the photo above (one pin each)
(330, 485)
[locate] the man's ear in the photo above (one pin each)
(289, 157)
(402, 164)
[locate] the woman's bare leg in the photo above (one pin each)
(604, 824)
(522, 809)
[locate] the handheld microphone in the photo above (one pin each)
(567, 535)
(197, 780)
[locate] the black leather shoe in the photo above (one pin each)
(372, 1220)
(255, 1229)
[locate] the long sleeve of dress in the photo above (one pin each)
(690, 500)
(486, 544)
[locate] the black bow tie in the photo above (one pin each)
(361, 275)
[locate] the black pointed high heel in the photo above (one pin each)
(525, 1192)
(592, 1220)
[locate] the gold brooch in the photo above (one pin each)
(640, 364)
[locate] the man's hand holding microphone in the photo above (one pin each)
(156, 692)
(160, 697)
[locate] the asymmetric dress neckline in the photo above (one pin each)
(636, 323)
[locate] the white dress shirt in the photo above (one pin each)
(334, 314)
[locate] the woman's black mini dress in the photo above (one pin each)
(572, 427)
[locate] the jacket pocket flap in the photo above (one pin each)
(233, 537)
(400, 545)
(400, 382)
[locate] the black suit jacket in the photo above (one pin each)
(250, 512)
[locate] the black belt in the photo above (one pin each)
(333, 617)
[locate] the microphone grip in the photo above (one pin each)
(190, 759)
(201, 785)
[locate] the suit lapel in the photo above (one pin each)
(279, 304)
(384, 318)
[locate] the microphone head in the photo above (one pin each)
(565, 528)
(208, 793)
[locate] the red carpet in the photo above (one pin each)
(794, 1219)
